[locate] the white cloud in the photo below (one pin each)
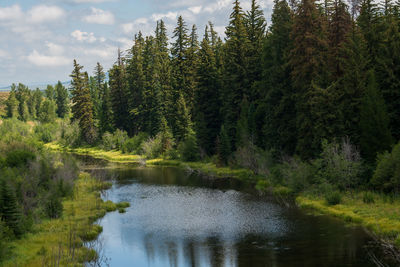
(220, 4)
(170, 15)
(11, 13)
(126, 43)
(91, 1)
(100, 16)
(139, 24)
(47, 61)
(3, 54)
(108, 52)
(84, 36)
(55, 49)
(45, 13)
(195, 9)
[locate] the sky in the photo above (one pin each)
(39, 39)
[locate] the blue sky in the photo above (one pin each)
(39, 39)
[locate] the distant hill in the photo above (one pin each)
(33, 86)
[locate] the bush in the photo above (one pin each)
(134, 144)
(45, 132)
(116, 140)
(13, 129)
(340, 164)
(251, 157)
(387, 173)
(333, 197)
(297, 175)
(70, 134)
(53, 207)
(19, 158)
(368, 198)
(152, 148)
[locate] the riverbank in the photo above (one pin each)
(381, 216)
(60, 242)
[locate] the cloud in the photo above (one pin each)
(138, 24)
(43, 13)
(100, 16)
(84, 36)
(55, 49)
(4, 54)
(195, 9)
(47, 61)
(11, 13)
(170, 15)
(91, 1)
(220, 4)
(107, 52)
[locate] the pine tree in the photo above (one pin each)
(98, 89)
(106, 113)
(308, 63)
(47, 111)
(12, 103)
(223, 146)
(82, 108)
(62, 100)
(192, 63)
(207, 102)
(37, 98)
(183, 121)
(9, 210)
(276, 112)
(236, 83)
(50, 92)
(22, 94)
(119, 95)
(374, 121)
(255, 27)
(136, 85)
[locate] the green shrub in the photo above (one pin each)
(53, 207)
(333, 198)
(45, 132)
(13, 130)
(152, 148)
(116, 140)
(19, 157)
(387, 173)
(368, 198)
(70, 134)
(134, 144)
(297, 175)
(250, 156)
(107, 142)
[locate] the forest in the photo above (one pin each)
(309, 103)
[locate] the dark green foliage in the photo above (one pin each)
(9, 210)
(374, 121)
(47, 111)
(333, 198)
(223, 146)
(188, 148)
(19, 158)
(368, 198)
(45, 132)
(134, 144)
(62, 100)
(50, 93)
(387, 174)
(12, 104)
(53, 206)
(106, 113)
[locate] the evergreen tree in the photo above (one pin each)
(308, 63)
(37, 99)
(62, 100)
(12, 103)
(106, 113)
(22, 94)
(9, 210)
(223, 146)
(50, 92)
(276, 112)
(192, 64)
(82, 108)
(98, 89)
(374, 121)
(119, 95)
(255, 28)
(183, 121)
(47, 111)
(236, 83)
(207, 102)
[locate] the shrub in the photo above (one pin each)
(368, 198)
(134, 144)
(45, 132)
(107, 142)
(70, 134)
(297, 174)
(116, 140)
(53, 206)
(19, 157)
(333, 197)
(340, 164)
(251, 157)
(152, 148)
(13, 129)
(386, 176)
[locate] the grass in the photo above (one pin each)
(59, 242)
(381, 217)
(112, 156)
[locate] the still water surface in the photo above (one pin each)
(181, 219)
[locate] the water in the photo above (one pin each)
(181, 219)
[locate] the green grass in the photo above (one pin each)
(380, 217)
(61, 240)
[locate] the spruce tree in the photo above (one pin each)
(22, 94)
(12, 103)
(82, 108)
(47, 111)
(374, 121)
(62, 100)
(183, 121)
(207, 102)
(50, 92)
(9, 210)
(98, 89)
(119, 95)
(236, 83)
(106, 113)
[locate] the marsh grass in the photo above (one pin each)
(60, 242)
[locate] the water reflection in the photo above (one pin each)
(177, 219)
